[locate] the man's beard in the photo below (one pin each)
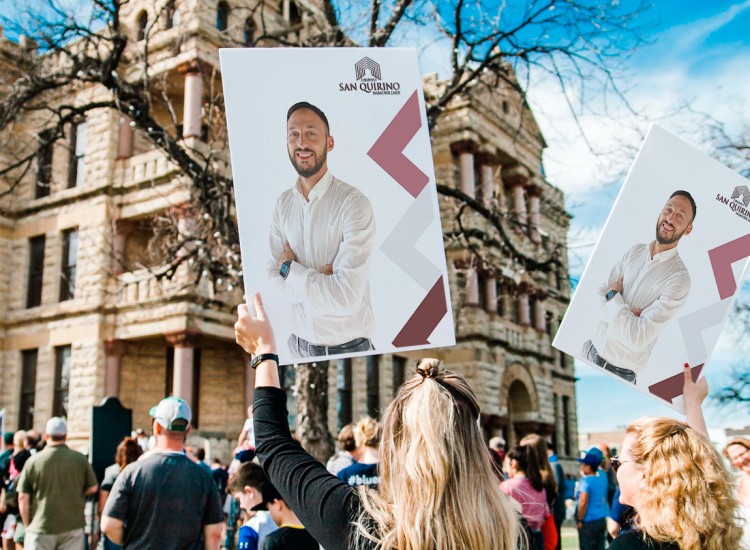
(661, 240)
(314, 169)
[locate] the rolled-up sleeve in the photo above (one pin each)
(341, 292)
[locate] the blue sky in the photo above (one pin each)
(694, 61)
(697, 55)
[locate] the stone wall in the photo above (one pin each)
(222, 398)
(143, 379)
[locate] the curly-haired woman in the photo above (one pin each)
(669, 472)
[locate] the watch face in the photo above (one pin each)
(611, 294)
(284, 271)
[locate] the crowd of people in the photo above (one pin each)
(423, 477)
(438, 484)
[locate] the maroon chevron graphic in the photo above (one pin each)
(388, 150)
(423, 321)
(722, 257)
(671, 387)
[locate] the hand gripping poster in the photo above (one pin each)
(664, 274)
(336, 199)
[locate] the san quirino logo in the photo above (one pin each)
(739, 202)
(372, 84)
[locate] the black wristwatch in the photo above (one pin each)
(284, 269)
(263, 357)
(610, 294)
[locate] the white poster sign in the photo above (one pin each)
(336, 199)
(664, 274)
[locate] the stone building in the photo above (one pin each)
(83, 317)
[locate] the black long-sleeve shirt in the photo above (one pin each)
(324, 504)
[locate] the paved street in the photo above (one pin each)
(569, 538)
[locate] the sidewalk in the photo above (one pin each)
(569, 537)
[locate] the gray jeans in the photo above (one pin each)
(591, 353)
(302, 348)
(69, 540)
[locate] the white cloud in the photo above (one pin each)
(687, 39)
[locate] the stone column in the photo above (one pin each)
(465, 151)
(191, 114)
(491, 293)
(186, 223)
(535, 212)
(184, 214)
(184, 344)
(113, 352)
(124, 139)
(524, 311)
(540, 312)
(516, 178)
(472, 288)
(121, 230)
(507, 303)
(486, 178)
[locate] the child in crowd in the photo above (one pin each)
(247, 487)
(291, 534)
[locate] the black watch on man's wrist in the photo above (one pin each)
(610, 295)
(284, 270)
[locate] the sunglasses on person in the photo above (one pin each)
(616, 463)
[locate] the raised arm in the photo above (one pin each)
(255, 335)
(694, 393)
(324, 504)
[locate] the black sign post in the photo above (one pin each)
(110, 423)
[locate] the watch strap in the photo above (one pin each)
(284, 270)
(258, 359)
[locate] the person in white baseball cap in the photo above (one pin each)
(173, 414)
(164, 499)
(56, 428)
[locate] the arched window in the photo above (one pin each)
(295, 17)
(249, 35)
(519, 398)
(172, 15)
(142, 23)
(222, 16)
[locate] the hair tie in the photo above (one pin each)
(427, 372)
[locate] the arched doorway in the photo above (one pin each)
(520, 398)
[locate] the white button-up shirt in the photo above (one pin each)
(334, 226)
(659, 287)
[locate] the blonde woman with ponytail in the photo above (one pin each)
(437, 488)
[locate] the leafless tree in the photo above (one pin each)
(484, 42)
(738, 391)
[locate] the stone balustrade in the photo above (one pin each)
(477, 322)
(141, 286)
